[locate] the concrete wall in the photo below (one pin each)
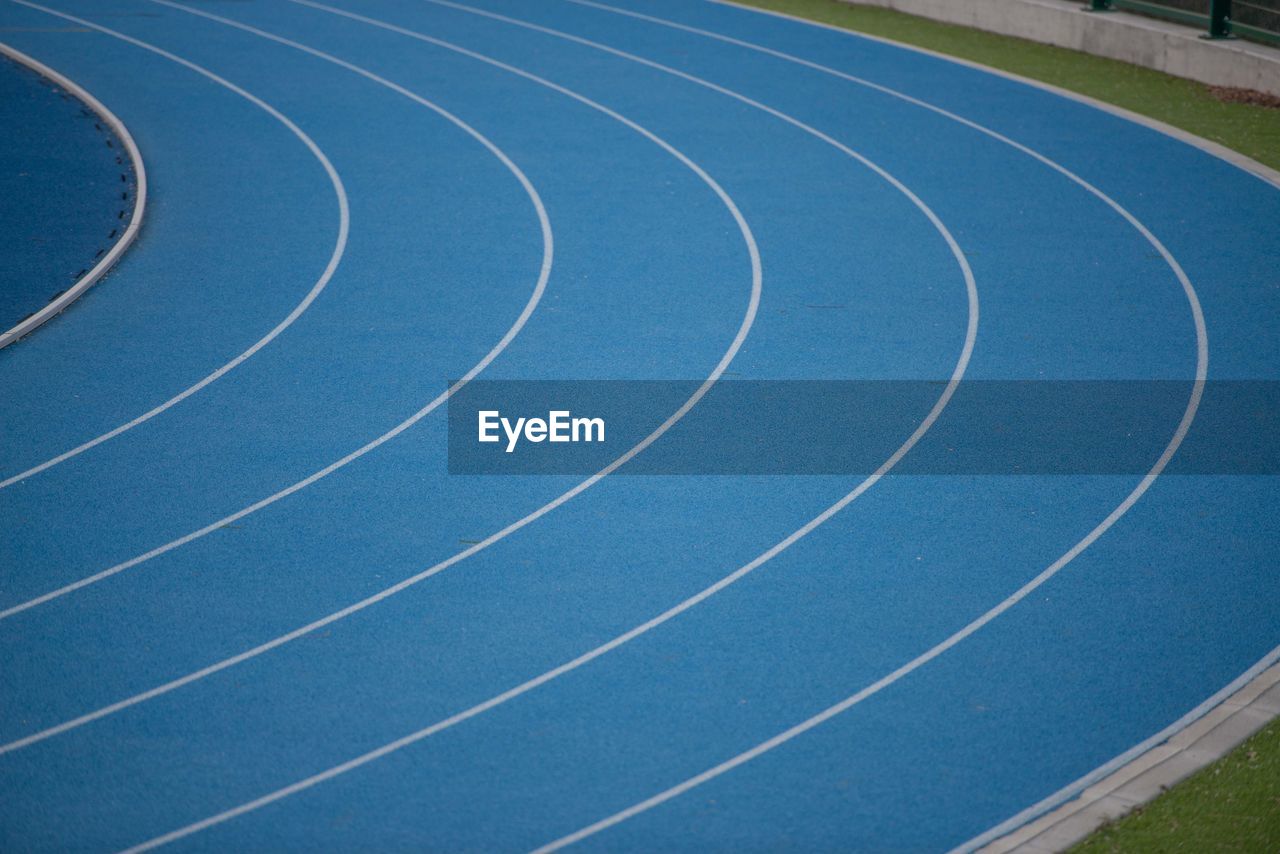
(1171, 48)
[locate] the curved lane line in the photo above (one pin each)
(961, 366)
(339, 247)
(1248, 165)
(108, 260)
(525, 314)
(1193, 404)
(739, 338)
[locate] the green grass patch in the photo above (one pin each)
(1251, 130)
(1232, 805)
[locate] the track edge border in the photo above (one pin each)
(71, 294)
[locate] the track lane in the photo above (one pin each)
(340, 244)
(519, 323)
(726, 358)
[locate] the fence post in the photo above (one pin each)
(1219, 20)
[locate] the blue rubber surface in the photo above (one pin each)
(66, 191)
(651, 277)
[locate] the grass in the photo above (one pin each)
(1250, 129)
(1232, 805)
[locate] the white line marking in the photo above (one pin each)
(745, 327)
(1202, 367)
(1246, 164)
(339, 247)
(539, 288)
(962, 363)
(108, 260)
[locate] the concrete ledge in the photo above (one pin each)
(1171, 48)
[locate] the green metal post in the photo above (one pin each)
(1098, 6)
(1220, 19)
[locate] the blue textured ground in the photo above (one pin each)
(60, 191)
(651, 278)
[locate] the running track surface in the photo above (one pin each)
(368, 214)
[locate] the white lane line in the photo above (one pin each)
(108, 260)
(1193, 403)
(1246, 164)
(521, 320)
(335, 257)
(732, 351)
(961, 366)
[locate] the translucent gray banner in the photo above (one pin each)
(997, 427)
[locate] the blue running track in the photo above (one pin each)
(243, 605)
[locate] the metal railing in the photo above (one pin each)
(1258, 20)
